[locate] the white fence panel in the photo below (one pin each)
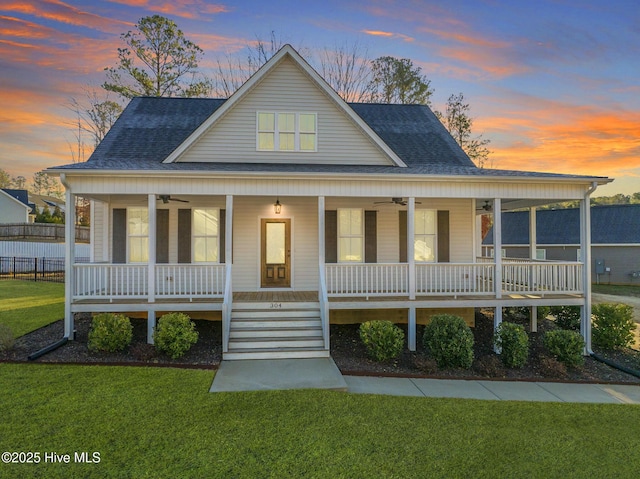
(35, 249)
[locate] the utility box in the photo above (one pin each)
(599, 266)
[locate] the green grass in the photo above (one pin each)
(617, 289)
(160, 422)
(28, 305)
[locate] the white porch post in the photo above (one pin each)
(533, 248)
(228, 230)
(321, 245)
(411, 328)
(151, 270)
(69, 257)
(585, 248)
(497, 246)
(411, 209)
(497, 320)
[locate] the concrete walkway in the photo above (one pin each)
(322, 373)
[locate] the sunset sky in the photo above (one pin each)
(555, 85)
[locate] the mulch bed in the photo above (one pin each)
(347, 351)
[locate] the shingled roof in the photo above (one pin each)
(150, 128)
(611, 224)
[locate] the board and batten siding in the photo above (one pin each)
(286, 89)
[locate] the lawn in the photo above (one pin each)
(28, 305)
(617, 289)
(161, 422)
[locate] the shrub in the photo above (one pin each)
(514, 342)
(567, 317)
(7, 339)
(110, 332)
(383, 339)
(613, 325)
(449, 341)
(175, 334)
(543, 312)
(566, 346)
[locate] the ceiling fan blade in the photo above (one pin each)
(178, 199)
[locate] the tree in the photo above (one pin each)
(457, 120)
(5, 179)
(397, 80)
(43, 184)
(347, 69)
(19, 182)
(95, 115)
(169, 62)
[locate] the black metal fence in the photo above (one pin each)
(33, 269)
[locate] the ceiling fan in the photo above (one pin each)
(394, 201)
(487, 206)
(166, 198)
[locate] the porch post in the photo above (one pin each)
(497, 320)
(585, 249)
(69, 257)
(533, 235)
(151, 267)
(228, 231)
(497, 246)
(411, 208)
(411, 328)
(321, 245)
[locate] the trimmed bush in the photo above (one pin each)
(567, 317)
(566, 346)
(383, 339)
(175, 334)
(110, 333)
(512, 339)
(613, 325)
(449, 341)
(7, 339)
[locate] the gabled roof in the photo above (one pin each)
(20, 196)
(286, 51)
(611, 224)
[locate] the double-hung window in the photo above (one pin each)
(138, 232)
(350, 235)
(286, 131)
(425, 240)
(206, 232)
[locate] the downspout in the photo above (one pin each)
(67, 334)
(586, 254)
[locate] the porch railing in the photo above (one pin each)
(367, 279)
(457, 279)
(454, 279)
(130, 281)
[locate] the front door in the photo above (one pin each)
(275, 240)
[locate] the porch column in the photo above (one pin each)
(151, 267)
(228, 231)
(69, 257)
(321, 245)
(497, 320)
(585, 249)
(497, 246)
(411, 328)
(411, 209)
(533, 254)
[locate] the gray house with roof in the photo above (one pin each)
(615, 239)
(14, 206)
(284, 209)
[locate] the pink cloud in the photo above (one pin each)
(192, 9)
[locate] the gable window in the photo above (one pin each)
(206, 232)
(138, 234)
(350, 236)
(286, 131)
(425, 241)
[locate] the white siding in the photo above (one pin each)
(246, 240)
(286, 89)
(317, 185)
(12, 211)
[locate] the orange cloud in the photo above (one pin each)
(565, 138)
(192, 9)
(379, 33)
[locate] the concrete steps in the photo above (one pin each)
(286, 330)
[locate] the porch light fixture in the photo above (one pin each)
(277, 207)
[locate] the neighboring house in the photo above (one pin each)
(14, 206)
(42, 201)
(615, 239)
(283, 209)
